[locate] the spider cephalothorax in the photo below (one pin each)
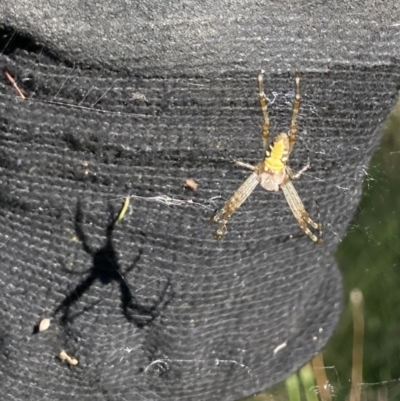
(272, 173)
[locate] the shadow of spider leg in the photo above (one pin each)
(106, 269)
(142, 314)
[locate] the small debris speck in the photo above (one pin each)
(67, 358)
(44, 324)
(191, 184)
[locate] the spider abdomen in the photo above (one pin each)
(271, 181)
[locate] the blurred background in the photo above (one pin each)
(362, 360)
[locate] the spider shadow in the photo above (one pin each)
(106, 269)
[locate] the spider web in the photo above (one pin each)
(242, 314)
(370, 249)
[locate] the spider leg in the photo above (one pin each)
(234, 203)
(299, 212)
(294, 176)
(295, 113)
(246, 165)
(263, 104)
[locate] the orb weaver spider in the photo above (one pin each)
(272, 173)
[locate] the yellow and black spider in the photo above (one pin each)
(272, 173)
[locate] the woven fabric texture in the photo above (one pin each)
(154, 308)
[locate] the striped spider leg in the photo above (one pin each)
(272, 173)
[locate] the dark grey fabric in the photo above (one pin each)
(213, 35)
(161, 310)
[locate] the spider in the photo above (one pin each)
(272, 173)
